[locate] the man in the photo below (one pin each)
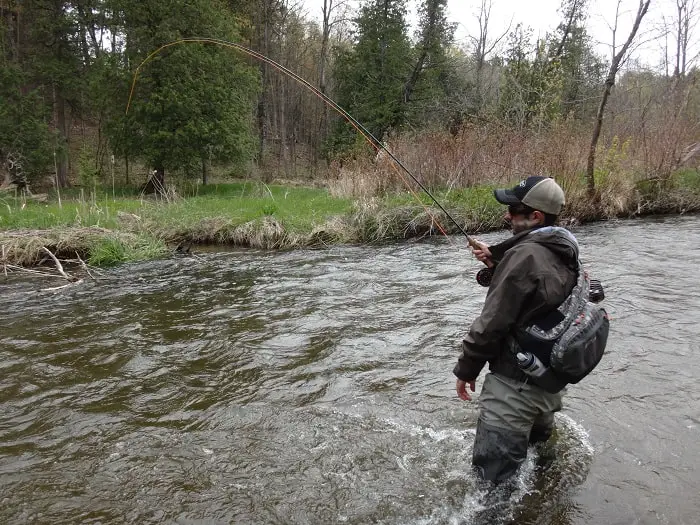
(533, 273)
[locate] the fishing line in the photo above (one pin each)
(374, 142)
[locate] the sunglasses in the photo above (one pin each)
(519, 210)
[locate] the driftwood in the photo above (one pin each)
(57, 288)
(61, 272)
(59, 266)
(26, 247)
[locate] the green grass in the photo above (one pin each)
(299, 209)
(687, 178)
(255, 214)
(476, 197)
(15, 213)
(112, 250)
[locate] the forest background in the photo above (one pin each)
(500, 104)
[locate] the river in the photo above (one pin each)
(315, 386)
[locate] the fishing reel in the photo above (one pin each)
(484, 276)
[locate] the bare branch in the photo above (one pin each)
(59, 266)
(57, 288)
(13, 267)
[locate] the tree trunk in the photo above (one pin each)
(264, 45)
(415, 75)
(590, 167)
(323, 59)
(10, 19)
(428, 39)
(575, 8)
(62, 128)
(204, 171)
(609, 83)
(679, 37)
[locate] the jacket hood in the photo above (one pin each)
(559, 240)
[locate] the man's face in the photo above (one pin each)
(521, 218)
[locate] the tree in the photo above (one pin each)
(371, 76)
(329, 20)
(427, 86)
(25, 137)
(435, 36)
(530, 93)
(573, 61)
(266, 23)
(193, 102)
(609, 83)
(561, 77)
(50, 59)
(684, 25)
(40, 69)
(484, 45)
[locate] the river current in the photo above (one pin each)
(315, 386)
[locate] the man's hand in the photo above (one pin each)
(462, 389)
(482, 253)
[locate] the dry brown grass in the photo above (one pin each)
(478, 154)
(25, 247)
(630, 153)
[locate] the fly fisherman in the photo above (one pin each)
(533, 273)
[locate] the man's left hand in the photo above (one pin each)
(462, 389)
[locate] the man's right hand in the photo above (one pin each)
(482, 253)
(462, 389)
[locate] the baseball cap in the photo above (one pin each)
(539, 193)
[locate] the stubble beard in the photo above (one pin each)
(522, 225)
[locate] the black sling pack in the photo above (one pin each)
(570, 341)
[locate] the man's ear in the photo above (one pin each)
(538, 216)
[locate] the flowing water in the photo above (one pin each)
(316, 387)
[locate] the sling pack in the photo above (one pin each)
(570, 340)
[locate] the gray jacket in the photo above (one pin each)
(535, 271)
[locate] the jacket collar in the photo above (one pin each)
(499, 250)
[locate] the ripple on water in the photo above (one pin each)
(316, 387)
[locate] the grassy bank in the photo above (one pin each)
(107, 229)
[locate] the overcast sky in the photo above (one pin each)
(542, 16)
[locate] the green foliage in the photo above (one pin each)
(372, 74)
(613, 164)
(24, 132)
(113, 250)
(561, 76)
(532, 90)
(572, 59)
(519, 100)
(436, 85)
(66, 69)
(88, 174)
(687, 178)
(192, 102)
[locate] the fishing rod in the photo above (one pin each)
(376, 143)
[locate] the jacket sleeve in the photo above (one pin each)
(514, 282)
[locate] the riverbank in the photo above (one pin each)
(110, 229)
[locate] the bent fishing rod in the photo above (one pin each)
(374, 142)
